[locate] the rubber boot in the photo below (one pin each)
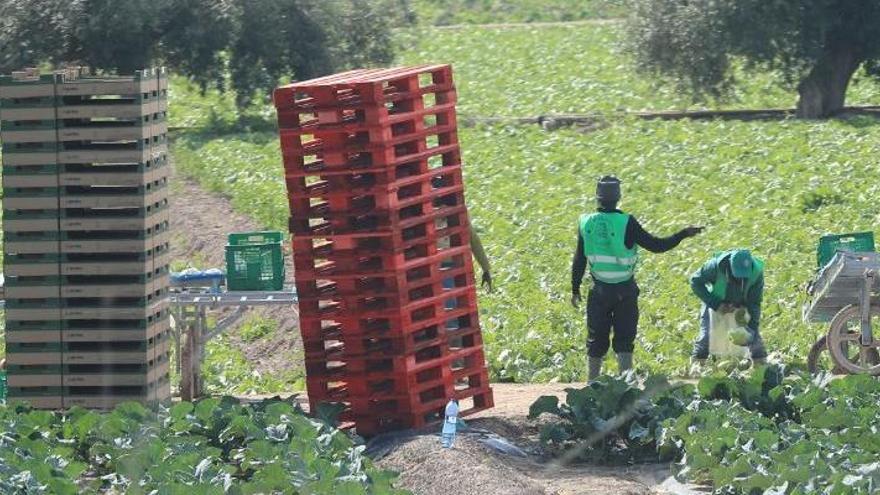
(624, 361)
(595, 367)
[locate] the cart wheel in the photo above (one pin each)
(818, 361)
(843, 341)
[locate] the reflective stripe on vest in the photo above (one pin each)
(603, 235)
(613, 260)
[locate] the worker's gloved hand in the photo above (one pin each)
(576, 299)
(487, 281)
(692, 231)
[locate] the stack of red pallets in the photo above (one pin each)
(382, 257)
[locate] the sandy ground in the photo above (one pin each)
(473, 468)
(202, 222)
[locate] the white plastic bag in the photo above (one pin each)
(720, 324)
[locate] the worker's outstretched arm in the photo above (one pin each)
(480, 256)
(753, 303)
(635, 233)
(699, 281)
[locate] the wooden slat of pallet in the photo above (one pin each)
(37, 89)
(35, 202)
(33, 336)
(116, 246)
(96, 224)
(46, 380)
(113, 179)
(31, 269)
(108, 201)
(113, 268)
(117, 379)
(91, 133)
(24, 358)
(122, 87)
(31, 225)
(37, 180)
(114, 313)
(114, 335)
(38, 401)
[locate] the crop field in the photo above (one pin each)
(446, 12)
(215, 446)
(774, 187)
(530, 71)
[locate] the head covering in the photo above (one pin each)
(608, 190)
(741, 263)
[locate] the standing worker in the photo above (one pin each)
(729, 281)
(609, 240)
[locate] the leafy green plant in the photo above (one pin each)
(215, 446)
(611, 419)
(810, 437)
(445, 12)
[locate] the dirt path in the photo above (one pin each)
(200, 224)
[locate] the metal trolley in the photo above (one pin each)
(846, 295)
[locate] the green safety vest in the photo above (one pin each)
(719, 287)
(603, 234)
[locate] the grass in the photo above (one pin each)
(226, 370)
(531, 71)
(445, 12)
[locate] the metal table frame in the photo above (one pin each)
(192, 331)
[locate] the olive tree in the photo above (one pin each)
(252, 44)
(815, 45)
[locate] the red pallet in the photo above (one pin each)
(417, 168)
(380, 422)
(459, 370)
(396, 108)
(383, 366)
(449, 237)
(338, 346)
(374, 262)
(341, 347)
(414, 207)
(381, 242)
(406, 316)
(375, 124)
(362, 86)
(402, 200)
(371, 227)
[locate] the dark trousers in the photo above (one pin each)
(612, 306)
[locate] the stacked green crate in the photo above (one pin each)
(86, 256)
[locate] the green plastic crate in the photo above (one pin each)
(255, 261)
(858, 242)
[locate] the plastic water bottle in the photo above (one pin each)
(450, 423)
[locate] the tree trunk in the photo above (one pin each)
(823, 91)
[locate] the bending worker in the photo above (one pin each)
(729, 281)
(609, 240)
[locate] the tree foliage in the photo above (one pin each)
(257, 42)
(814, 45)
